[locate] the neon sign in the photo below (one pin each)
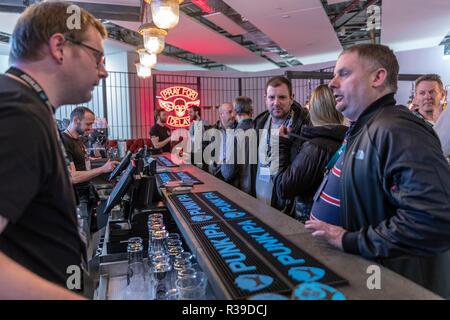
(177, 100)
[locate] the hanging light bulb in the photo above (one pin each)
(165, 13)
(143, 71)
(153, 38)
(146, 59)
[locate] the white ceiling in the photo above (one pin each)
(221, 20)
(192, 36)
(414, 24)
(301, 27)
(134, 3)
(336, 1)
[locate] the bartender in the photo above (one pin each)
(81, 121)
(160, 133)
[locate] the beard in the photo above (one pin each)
(79, 130)
(279, 116)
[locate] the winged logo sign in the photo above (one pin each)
(177, 101)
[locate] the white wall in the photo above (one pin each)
(118, 100)
(3, 63)
(117, 62)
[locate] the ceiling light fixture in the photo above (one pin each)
(165, 13)
(157, 16)
(146, 59)
(154, 38)
(143, 71)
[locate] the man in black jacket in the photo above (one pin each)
(282, 110)
(393, 194)
(227, 121)
(237, 168)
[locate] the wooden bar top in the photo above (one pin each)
(351, 267)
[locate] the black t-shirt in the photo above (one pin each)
(36, 195)
(162, 132)
(76, 152)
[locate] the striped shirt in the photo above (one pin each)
(326, 207)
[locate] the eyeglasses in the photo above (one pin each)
(99, 55)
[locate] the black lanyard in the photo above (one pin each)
(287, 121)
(336, 156)
(341, 150)
(34, 85)
(44, 98)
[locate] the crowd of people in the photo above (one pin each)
(365, 174)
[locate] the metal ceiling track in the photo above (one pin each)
(329, 75)
(247, 40)
(350, 21)
(133, 38)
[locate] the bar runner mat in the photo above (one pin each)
(164, 177)
(192, 209)
(165, 162)
(294, 263)
(240, 269)
(195, 210)
(291, 263)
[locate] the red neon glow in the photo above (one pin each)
(203, 4)
(177, 101)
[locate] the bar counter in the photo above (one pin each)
(352, 268)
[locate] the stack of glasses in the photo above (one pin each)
(170, 273)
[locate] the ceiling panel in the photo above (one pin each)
(221, 20)
(194, 37)
(336, 1)
(265, 8)
(165, 63)
(414, 24)
(135, 3)
(300, 27)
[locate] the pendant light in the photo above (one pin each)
(165, 13)
(146, 59)
(143, 71)
(154, 38)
